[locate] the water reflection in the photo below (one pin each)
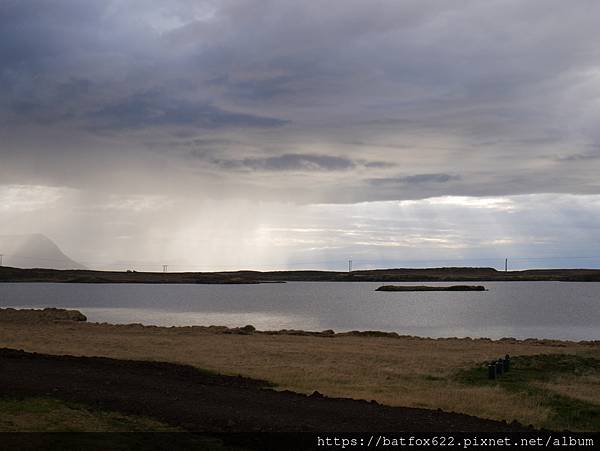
(508, 309)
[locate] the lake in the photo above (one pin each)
(561, 310)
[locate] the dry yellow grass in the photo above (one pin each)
(395, 371)
(585, 388)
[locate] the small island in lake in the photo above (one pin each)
(428, 288)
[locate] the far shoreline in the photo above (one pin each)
(396, 275)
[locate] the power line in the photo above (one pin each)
(313, 263)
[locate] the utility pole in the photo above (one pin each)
(1, 259)
(349, 265)
(165, 268)
(506, 265)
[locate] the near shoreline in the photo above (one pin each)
(59, 315)
(392, 369)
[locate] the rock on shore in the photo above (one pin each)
(40, 315)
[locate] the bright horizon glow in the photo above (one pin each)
(145, 232)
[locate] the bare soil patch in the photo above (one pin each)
(205, 402)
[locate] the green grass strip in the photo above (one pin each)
(527, 371)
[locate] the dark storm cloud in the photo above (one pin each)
(414, 179)
(160, 124)
(290, 162)
(257, 89)
(37, 34)
(151, 109)
(462, 86)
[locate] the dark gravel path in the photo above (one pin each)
(203, 402)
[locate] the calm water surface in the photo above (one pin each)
(561, 310)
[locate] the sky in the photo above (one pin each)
(247, 134)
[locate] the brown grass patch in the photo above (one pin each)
(585, 387)
(395, 371)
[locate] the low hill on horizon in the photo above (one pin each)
(34, 251)
(8, 274)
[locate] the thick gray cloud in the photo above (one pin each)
(299, 102)
(431, 87)
(415, 179)
(150, 109)
(290, 162)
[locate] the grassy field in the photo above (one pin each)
(566, 386)
(404, 371)
(50, 415)
(43, 414)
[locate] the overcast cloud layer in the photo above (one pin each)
(200, 110)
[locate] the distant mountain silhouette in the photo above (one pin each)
(34, 251)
